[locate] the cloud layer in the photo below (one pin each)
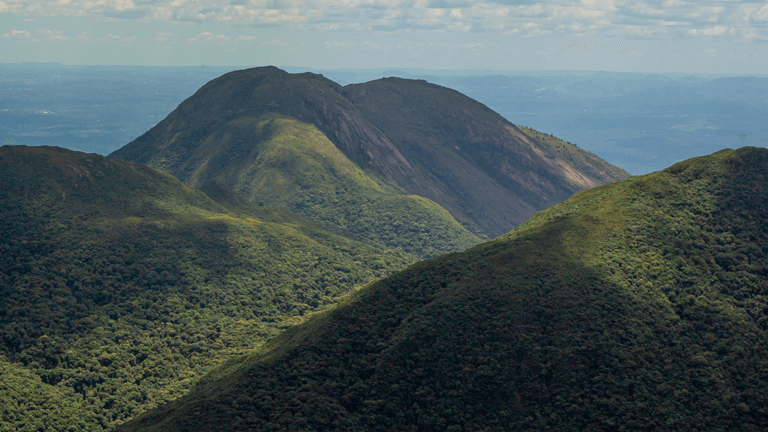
(654, 19)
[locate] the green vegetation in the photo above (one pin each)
(276, 161)
(292, 164)
(120, 286)
(640, 305)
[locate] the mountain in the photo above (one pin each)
(639, 305)
(120, 286)
(345, 156)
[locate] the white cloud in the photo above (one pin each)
(18, 34)
(246, 38)
(87, 37)
(277, 42)
(762, 14)
(566, 18)
(10, 6)
(712, 31)
(161, 37)
(208, 38)
(50, 35)
(26, 35)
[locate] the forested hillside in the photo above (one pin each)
(639, 305)
(120, 286)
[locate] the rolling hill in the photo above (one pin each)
(346, 156)
(639, 305)
(120, 286)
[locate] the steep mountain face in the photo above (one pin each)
(639, 305)
(470, 160)
(305, 143)
(120, 286)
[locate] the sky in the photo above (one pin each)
(656, 36)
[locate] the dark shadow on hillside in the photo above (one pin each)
(522, 335)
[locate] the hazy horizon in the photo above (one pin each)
(661, 36)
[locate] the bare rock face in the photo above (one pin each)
(468, 158)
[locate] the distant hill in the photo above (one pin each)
(639, 305)
(120, 286)
(348, 155)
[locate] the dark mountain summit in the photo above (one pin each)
(325, 151)
(306, 97)
(640, 305)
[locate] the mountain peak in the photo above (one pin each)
(411, 138)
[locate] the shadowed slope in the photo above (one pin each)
(637, 305)
(486, 171)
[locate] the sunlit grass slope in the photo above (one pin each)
(640, 305)
(120, 286)
(278, 161)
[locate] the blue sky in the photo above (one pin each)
(723, 37)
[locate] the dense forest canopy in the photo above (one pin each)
(120, 286)
(640, 305)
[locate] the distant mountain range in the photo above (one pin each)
(639, 305)
(348, 155)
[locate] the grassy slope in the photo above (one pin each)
(277, 161)
(120, 286)
(488, 173)
(639, 305)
